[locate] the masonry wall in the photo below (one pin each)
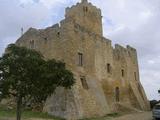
(81, 32)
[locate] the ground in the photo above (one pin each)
(136, 116)
(133, 116)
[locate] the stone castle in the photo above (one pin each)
(107, 78)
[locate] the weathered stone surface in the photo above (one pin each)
(111, 74)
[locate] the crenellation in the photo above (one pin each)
(55, 26)
(131, 48)
(120, 47)
(120, 52)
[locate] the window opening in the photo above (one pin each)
(109, 68)
(84, 82)
(122, 71)
(80, 59)
(117, 93)
(32, 44)
(135, 76)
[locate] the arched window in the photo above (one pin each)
(80, 59)
(122, 72)
(58, 34)
(108, 68)
(117, 93)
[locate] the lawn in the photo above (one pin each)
(27, 114)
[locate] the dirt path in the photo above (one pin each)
(136, 116)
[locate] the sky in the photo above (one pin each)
(133, 22)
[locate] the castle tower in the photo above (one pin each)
(87, 16)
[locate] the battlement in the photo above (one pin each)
(121, 52)
(87, 4)
(129, 48)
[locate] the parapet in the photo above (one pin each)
(122, 52)
(55, 26)
(131, 48)
(83, 3)
(119, 47)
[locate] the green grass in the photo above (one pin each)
(26, 114)
(114, 115)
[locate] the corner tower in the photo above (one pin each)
(87, 16)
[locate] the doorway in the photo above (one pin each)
(117, 94)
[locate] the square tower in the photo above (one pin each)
(87, 16)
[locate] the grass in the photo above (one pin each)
(114, 115)
(26, 114)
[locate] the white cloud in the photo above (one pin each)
(16, 15)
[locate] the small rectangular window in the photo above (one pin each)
(108, 68)
(80, 59)
(135, 76)
(84, 83)
(85, 9)
(32, 44)
(122, 71)
(45, 40)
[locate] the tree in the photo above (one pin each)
(25, 74)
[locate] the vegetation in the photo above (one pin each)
(25, 75)
(5, 112)
(27, 115)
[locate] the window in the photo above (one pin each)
(58, 34)
(80, 59)
(122, 71)
(32, 44)
(84, 82)
(117, 92)
(135, 76)
(109, 68)
(45, 40)
(85, 9)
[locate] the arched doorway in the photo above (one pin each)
(117, 93)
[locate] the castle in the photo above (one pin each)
(107, 78)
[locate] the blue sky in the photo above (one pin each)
(133, 22)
